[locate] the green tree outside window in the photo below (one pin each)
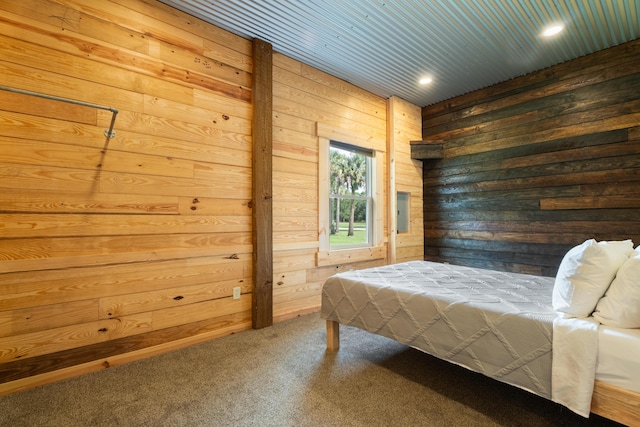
(350, 201)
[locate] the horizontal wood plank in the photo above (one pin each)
(67, 337)
(31, 319)
(43, 254)
(346, 256)
(426, 149)
(21, 151)
(25, 290)
(53, 225)
(599, 202)
(42, 201)
(121, 305)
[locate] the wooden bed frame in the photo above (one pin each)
(608, 401)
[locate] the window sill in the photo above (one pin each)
(346, 256)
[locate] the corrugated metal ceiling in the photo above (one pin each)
(386, 46)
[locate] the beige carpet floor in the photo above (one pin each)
(282, 376)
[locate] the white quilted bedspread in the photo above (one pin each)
(496, 323)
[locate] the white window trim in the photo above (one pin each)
(326, 255)
(369, 197)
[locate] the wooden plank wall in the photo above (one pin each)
(406, 176)
(303, 98)
(116, 249)
(536, 165)
(116, 246)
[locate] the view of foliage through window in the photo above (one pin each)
(350, 201)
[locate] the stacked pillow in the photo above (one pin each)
(588, 271)
(620, 305)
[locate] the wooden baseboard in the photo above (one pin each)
(109, 362)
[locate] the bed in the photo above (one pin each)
(500, 324)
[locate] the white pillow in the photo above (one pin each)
(585, 273)
(620, 306)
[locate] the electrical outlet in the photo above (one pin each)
(236, 292)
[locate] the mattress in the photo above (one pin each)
(497, 323)
(618, 363)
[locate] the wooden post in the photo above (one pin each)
(262, 303)
(392, 213)
(333, 335)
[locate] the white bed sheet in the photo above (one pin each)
(575, 351)
(613, 353)
(618, 361)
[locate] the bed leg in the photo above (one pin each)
(333, 335)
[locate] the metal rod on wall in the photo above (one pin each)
(109, 133)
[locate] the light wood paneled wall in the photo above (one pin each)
(110, 246)
(405, 176)
(305, 99)
(116, 249)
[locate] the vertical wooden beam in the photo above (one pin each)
(392, 225)
(262, 302)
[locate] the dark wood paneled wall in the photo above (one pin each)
(536, 165)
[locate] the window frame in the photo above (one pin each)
(325, 255)
(368, 197)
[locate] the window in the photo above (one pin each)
(403, 204)
(351, 177)
(369, 199)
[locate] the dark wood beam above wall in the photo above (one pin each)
(262, 304)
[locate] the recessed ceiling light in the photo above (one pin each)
(425, 80)
(552, 30)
